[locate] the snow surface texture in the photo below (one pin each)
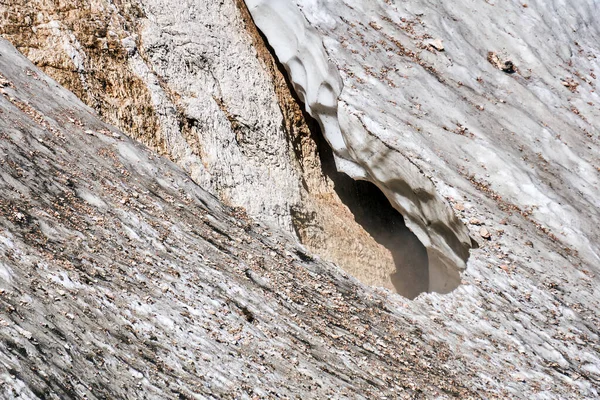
(523, 323)
(358, 153)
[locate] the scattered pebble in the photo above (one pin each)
(484, 233)
(436, 44)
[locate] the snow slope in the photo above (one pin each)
(522, 324)
(120, 278)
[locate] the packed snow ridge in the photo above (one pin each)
(358, 153)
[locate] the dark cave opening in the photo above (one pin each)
(373, 211)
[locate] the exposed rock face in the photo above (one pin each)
(84, 46)
(195, 81)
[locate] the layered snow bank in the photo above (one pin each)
(358, 152)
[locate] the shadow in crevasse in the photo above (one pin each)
(373, 211)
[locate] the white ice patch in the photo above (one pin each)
(62, 278)
(5, 274)
(92, 199)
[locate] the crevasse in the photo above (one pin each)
(358, 153)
